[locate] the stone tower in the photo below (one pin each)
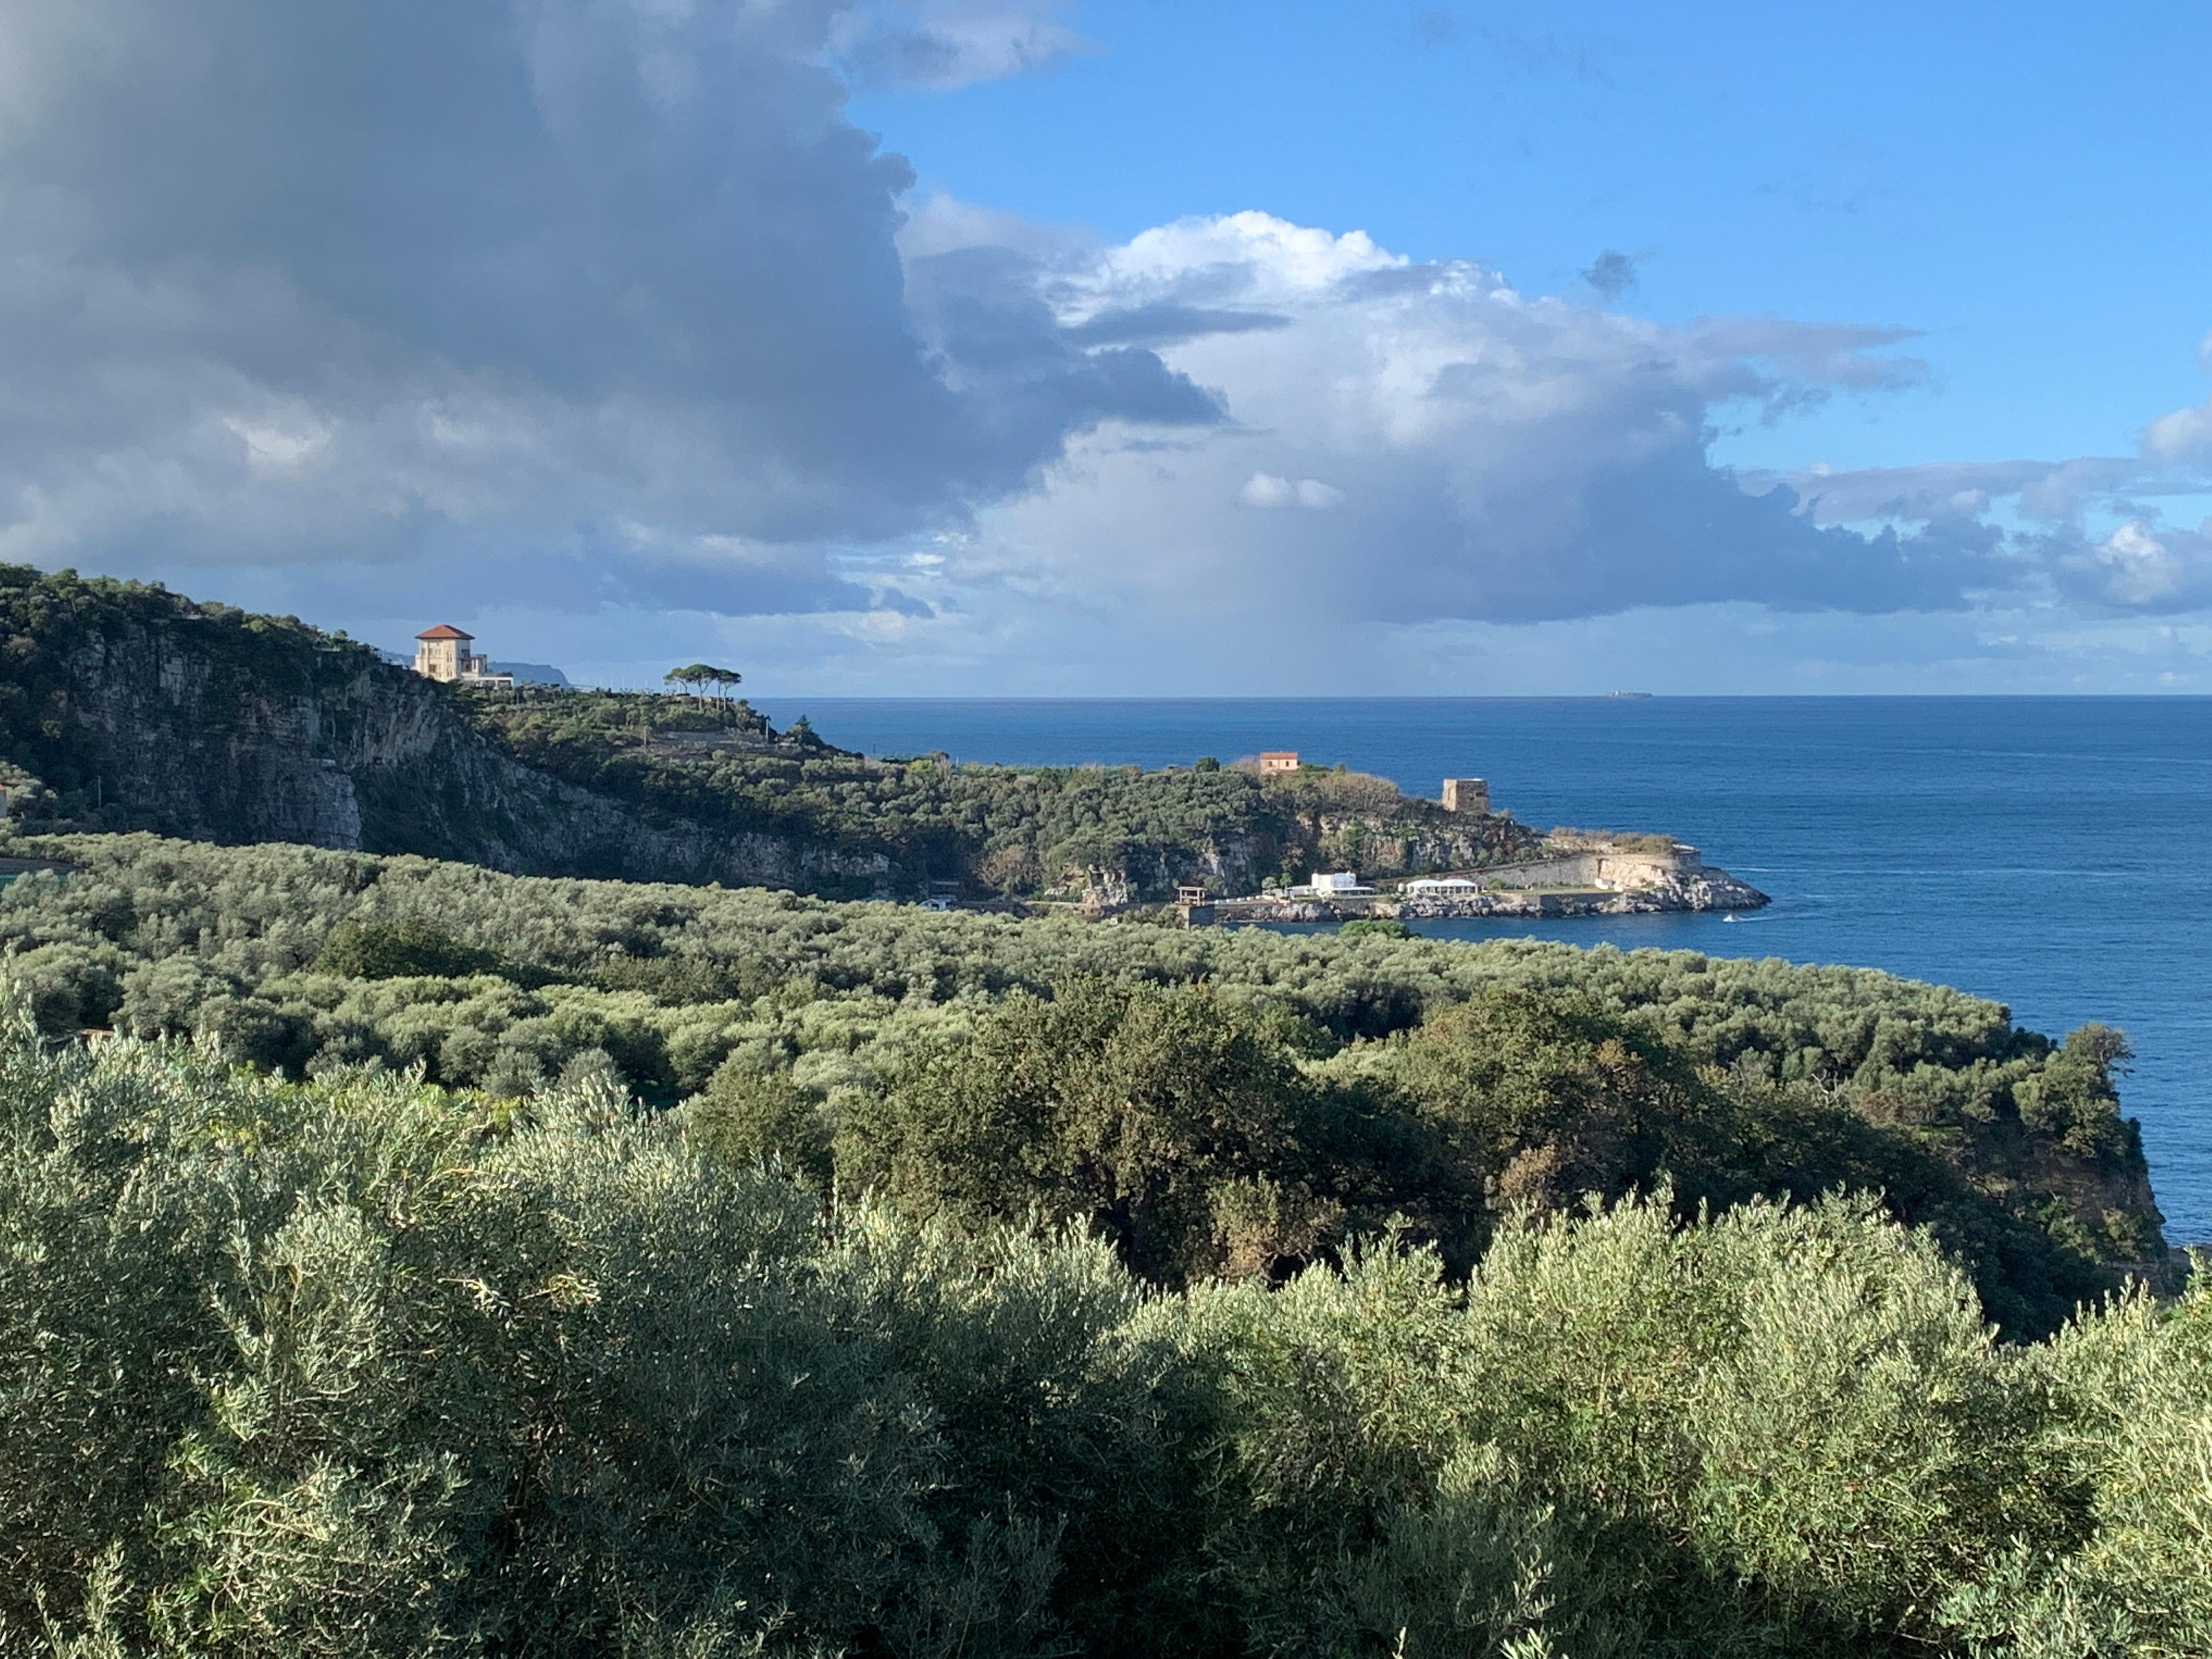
(1466, 795)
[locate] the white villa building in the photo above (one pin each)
(442, 653)
(1326, 884)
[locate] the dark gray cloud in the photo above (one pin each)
(1611, 275)
(1851, 356)
(1943, 490)
(941, 43)
(459, 577)
(2140, 568)
(2090, 532)
(344, 281)
(1661, 531)
(1167, 324)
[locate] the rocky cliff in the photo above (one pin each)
(141, 709)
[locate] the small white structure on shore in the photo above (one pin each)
(1443, 884)
(1328, 883)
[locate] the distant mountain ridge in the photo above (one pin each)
(531, 673)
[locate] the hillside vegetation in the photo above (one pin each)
(1211, 1102)
(407, 1254)
(137, 708)
(1067, 832)
(359, 1367)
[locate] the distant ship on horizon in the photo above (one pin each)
(1628, 694)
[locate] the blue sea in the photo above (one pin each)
(2054, 854)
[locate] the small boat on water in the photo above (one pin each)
(1730, 916)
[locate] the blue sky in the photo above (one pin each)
(2027, 186)
(1006, 346)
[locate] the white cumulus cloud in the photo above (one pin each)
(2144, 568)
(1488, 454)
(1265, 489)
(2184, 435)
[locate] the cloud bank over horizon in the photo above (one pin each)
(601, 317)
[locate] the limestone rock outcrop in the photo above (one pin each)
(150, 712)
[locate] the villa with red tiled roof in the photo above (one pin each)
(442, 653)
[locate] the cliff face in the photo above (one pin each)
(1379, 846)
(1334, 821)
(141, 709)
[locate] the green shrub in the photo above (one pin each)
(353, 1368)
(746, 1116)
(359, 1366)
(70, 986)
(408, 949)
(1374, 927)
(1733, 1077)
(1785, 1432)
(1122, 1105)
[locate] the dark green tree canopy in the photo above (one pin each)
(1315, 1088)
(700, 678)
(407, 949)
(355, 1368)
